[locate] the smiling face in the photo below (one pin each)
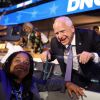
(27, 29)
(20, 65)
(63, 32)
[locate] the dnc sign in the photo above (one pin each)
(81, 5)
(50, 9)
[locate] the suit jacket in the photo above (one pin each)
(86, 40)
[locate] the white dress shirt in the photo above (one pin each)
(75, 59)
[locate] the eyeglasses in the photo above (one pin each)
(19, 61)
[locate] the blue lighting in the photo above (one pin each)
(50, 9)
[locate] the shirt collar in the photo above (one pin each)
(73, 41)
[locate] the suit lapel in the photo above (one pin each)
(79, 43)
(82, 42)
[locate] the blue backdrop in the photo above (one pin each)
(48, 10)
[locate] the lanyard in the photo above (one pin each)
(18, 93)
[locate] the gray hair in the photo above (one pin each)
(29, 25)
(64, 19)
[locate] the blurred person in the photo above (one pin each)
(86, 51)
(27, 29)
(38, 40)
(34, 38)
(96, 29)
(9, 34)
(16, 29)
(16, 78)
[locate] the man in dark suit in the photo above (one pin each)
(86, 50)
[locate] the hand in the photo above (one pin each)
(44, 55)
(71, 87)
(84, 57)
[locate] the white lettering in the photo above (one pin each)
(81, 4)
(71, 7)
(89, 3)
(97, 2)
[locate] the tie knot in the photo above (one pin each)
(69, 47)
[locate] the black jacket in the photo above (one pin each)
(86, 40)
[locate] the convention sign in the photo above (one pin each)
(51, 9)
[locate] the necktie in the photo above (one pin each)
(69, 65)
